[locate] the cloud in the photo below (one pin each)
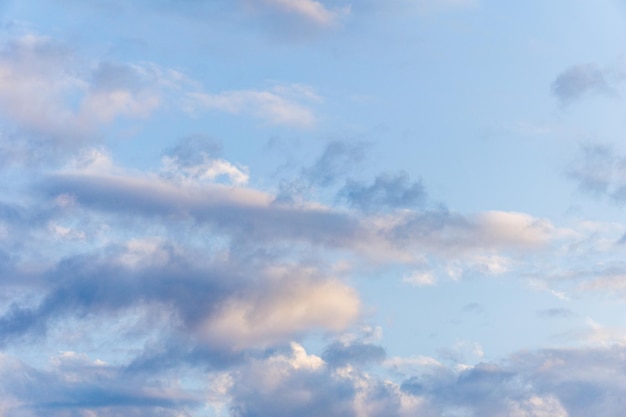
(387, 191)
(297, 383)
(485, 230)
(53, 100)
(579, 80)
(563, 313)
(558, 382)
(46, 93)
(600, 171)
(282, 105)
(358, 353)
(420, 278)
(291, 381)
(337, 160)
(225, 305)
(311, 11)
(193, 160)
(76, 384)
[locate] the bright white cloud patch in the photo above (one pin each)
(294, 305)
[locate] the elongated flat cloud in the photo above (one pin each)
(282, 105)
(310, 10)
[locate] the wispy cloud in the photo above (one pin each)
(280, 105)
(313, 11)
(579, 80)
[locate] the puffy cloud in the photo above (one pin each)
(45, 92)
(297, 383)
(224, 305)
(73, 383)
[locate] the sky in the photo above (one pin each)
(355, 208)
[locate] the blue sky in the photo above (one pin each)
(246, 208)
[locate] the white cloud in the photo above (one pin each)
(283, 105)
(420, 278)
(46, 91)
(536, 406)
(312, 11)
(295, 303)
(208, 169)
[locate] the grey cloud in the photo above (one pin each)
(558, 382)
(191, 149)
(563, 313)
(586, 381)
(292, 193)
(224, 209)
(323, 395)
(75, 386)
(305, 386)
(600, 171)
(428, 223)
(223, 306)
(337, 160)
(475, 308)
(111, 76)
(340, 354)
(88, 285)
(595, 168)
(578, 80)
(387, 191)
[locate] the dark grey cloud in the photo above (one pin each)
(387, 192)
(84, 285)
(579, 80)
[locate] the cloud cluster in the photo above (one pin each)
(289, 381)
(53, 100)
